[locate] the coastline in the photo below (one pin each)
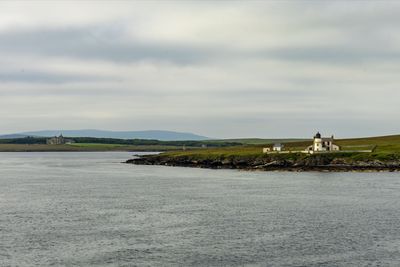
(314, 163)
(79, 148)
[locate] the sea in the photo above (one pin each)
(90, 209)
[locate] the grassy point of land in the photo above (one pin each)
(384, 148)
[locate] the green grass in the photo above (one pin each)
(386, 148)
(125, 147)
(385, 144)
(260, 141)
(81, 147)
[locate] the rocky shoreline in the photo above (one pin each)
(309, 163)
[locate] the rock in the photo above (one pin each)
(302, 163)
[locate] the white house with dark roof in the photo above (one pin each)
(277, 147)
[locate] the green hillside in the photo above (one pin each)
(261, 141)
(380, 144)
(81, 148)
(384, 146)
(387, 144)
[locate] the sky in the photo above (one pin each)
(222, 69)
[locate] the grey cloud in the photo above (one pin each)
(108, 43)
(94, 43)
(332, 54)
(27, 76)
(286, 75)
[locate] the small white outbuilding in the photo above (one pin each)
(277, 147)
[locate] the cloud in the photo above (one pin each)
(267, 69)
(94, 43)
(44, 77)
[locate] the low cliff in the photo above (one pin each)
(276, 162)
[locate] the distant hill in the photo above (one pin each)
(12, 136)
(262, 141)
(151, 134)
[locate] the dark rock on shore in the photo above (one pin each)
(278, 162)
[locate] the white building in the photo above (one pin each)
(277, 147)
(323, 144)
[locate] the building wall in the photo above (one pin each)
(324, 145)
(317, 144)
(55, 141)
(335, 148)
(266, 149)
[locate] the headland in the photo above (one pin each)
(361, 154)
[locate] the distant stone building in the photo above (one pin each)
(322, 144)
(58, 140)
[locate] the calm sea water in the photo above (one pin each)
(87, 209)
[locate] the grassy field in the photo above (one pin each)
(385, 147)
(81, 147)
(260, 141)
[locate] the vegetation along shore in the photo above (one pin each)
(384, 156)
(86, 144)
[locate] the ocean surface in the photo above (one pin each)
(88, 209)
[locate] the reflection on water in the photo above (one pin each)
(88, 209)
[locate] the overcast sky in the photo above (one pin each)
(221, 69)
